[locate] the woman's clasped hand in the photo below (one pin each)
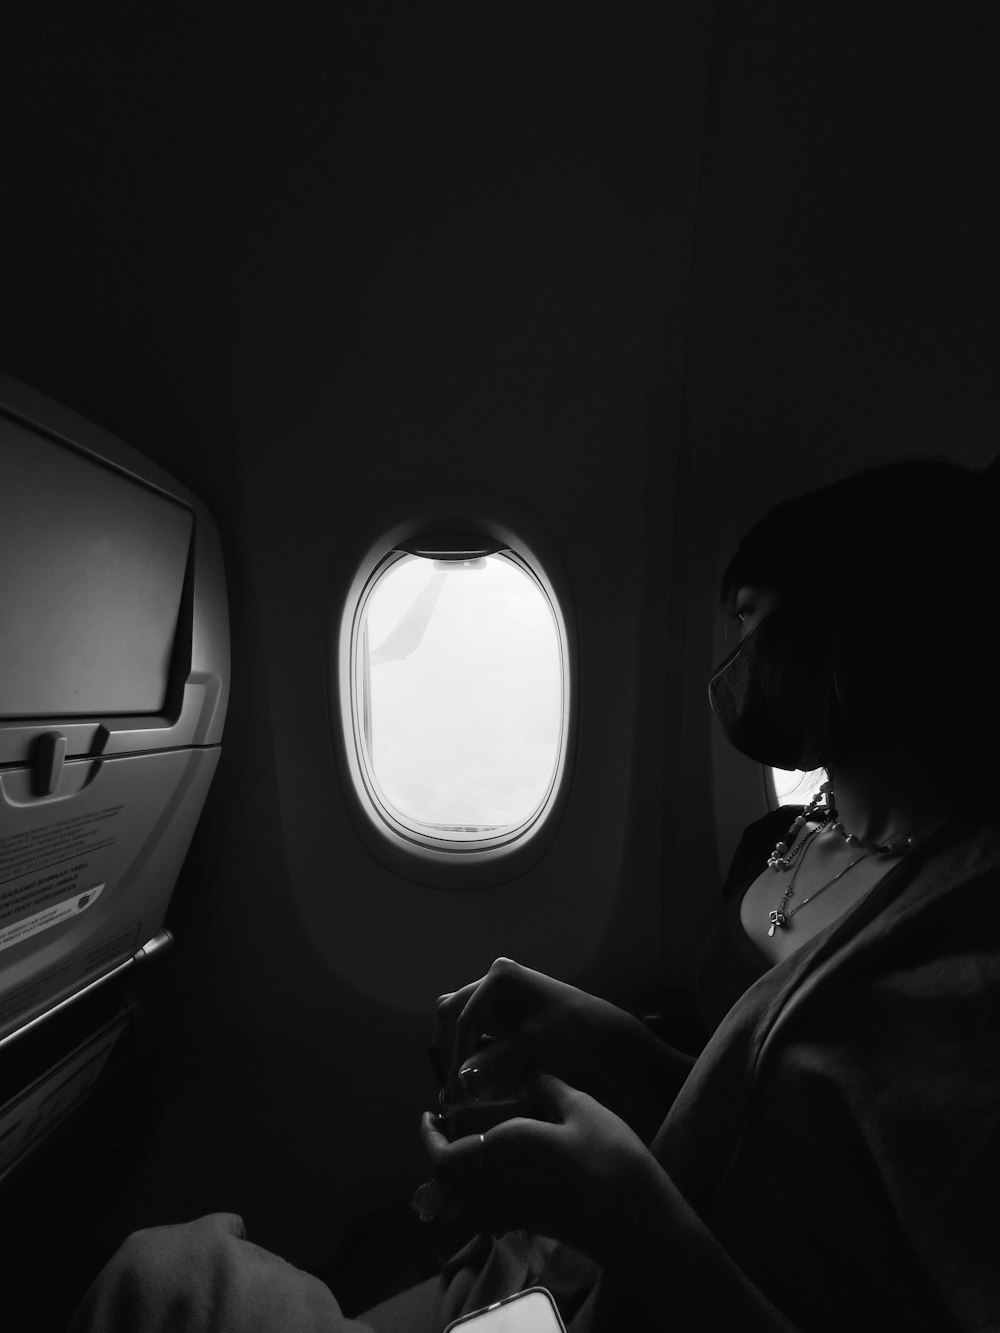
(581, 1171)
(581, 1176)
(540, 1023)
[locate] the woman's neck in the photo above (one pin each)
(903, 791)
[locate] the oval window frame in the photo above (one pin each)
(447, 523)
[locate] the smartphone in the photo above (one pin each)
(529, 1311)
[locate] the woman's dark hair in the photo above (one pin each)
(900, 584)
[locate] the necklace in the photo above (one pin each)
(784, 853)
(786, 850)
(823, 806)
(779, 918)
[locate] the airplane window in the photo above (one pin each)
(458, 697)
(793, 786)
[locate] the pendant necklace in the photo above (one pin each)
(779, 918)
(781, 858)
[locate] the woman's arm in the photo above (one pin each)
(640, 1081)
(584, 1177)
(662, 1261)
(546, 1024)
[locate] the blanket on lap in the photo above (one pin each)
(204, 1277)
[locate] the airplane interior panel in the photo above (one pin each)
(82, 545)
(470, 477)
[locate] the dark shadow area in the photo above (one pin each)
(383, 1253)
(51, 1201)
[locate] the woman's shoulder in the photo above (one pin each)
(921, 956)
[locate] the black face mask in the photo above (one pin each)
(771, 695)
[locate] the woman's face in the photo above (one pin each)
(752, 604)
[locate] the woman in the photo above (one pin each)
(832, 1158)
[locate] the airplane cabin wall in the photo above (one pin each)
(369, 252)
(645, 269)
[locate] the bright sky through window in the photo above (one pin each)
(465, 691)
(794, 787)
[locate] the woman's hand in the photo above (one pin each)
(541, 1018)
(585, 1178)
(546, 1024)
